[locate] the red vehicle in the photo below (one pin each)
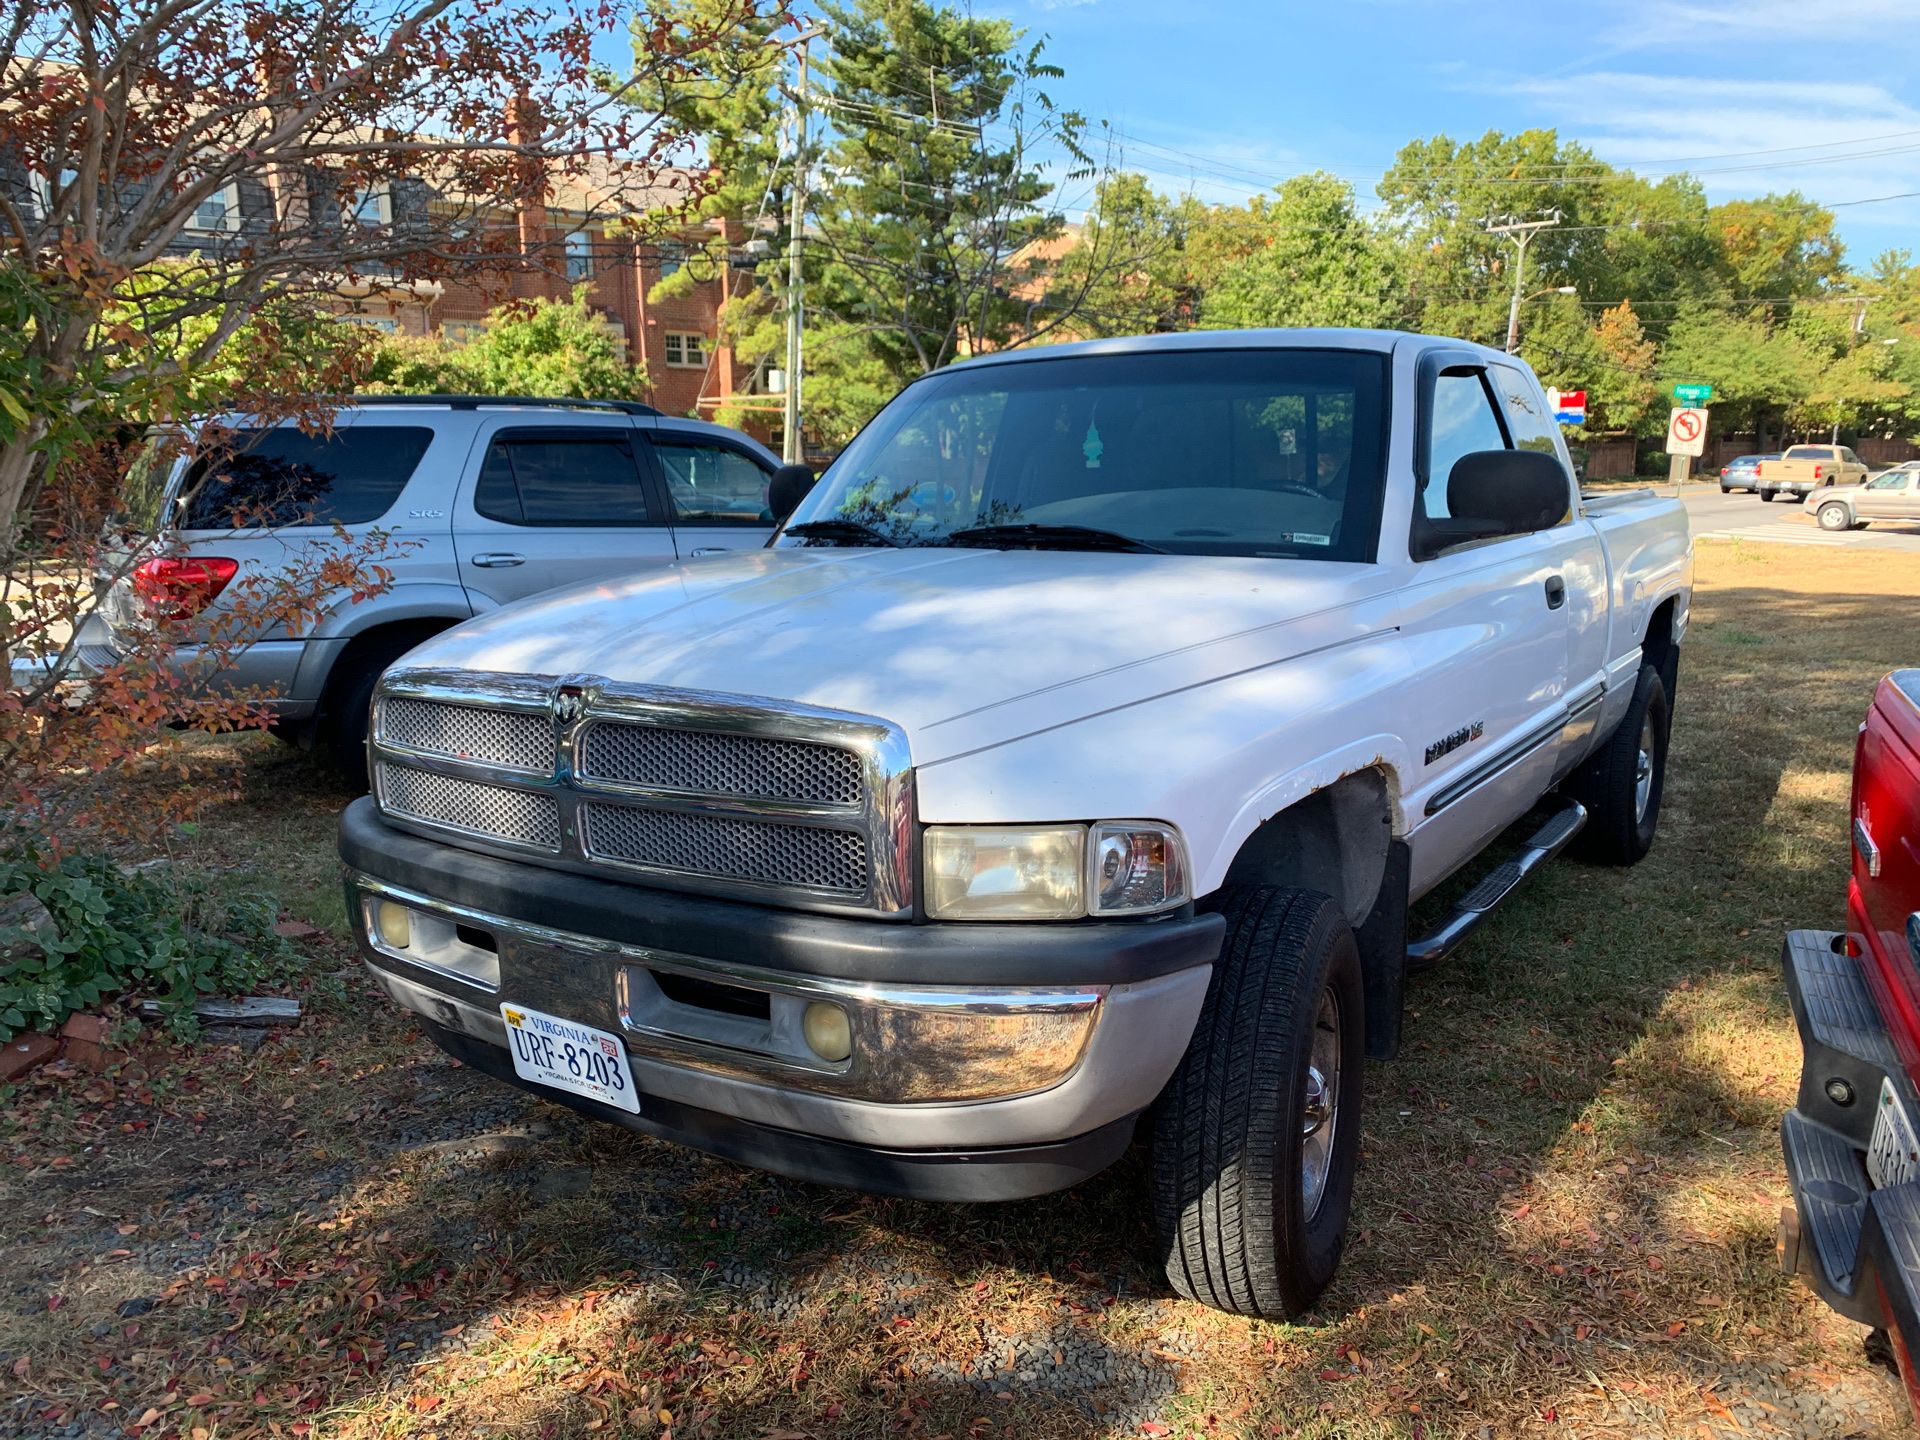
(1851, 1148)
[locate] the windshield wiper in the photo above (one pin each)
(1052, 537)
(840, 529)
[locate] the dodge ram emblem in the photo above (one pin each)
(1447, 744)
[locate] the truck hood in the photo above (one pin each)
(943, 642)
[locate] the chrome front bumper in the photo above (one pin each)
(933, 1067)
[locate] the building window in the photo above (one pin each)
(463, 332)
(672, 257)
(387, 323)
(371, 205)
(579, 257)
(219, 212)
(687, 352)
(43, 190)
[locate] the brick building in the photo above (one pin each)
(581, 238)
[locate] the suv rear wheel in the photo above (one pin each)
(347, 710)
(1257, 1136)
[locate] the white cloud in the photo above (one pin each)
(1756, 23)
(1832, 142)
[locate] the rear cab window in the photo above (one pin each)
(285, 477)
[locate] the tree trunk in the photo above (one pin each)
(18, 461)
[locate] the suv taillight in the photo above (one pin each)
(175, 587)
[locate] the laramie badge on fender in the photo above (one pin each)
(1447, 744)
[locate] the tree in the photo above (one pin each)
(1623, 394)
(1779, 248)
(272, 153)
(940, 125)
(1314, 262)
(539, 347)
(1128, 270)
(186, 182)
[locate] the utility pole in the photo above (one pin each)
(1521, 232)
(790, 446)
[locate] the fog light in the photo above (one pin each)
(1839, 1091)
(828, 1032)
(392, 923)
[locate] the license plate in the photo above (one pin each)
(567, 1055)
(1894, 1157)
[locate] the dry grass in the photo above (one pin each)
(1564, 1222)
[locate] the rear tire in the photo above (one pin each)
(1833, 516)
(1257, 1137)
(347, 711)
(1766, 496)
(1623, 782)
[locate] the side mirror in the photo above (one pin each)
(1494, 493)
(787, 488)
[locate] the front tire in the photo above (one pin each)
(1257, 1137)
(1833, 516)
(1623, 782)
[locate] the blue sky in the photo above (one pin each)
(1228, 96)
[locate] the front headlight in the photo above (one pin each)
(1052, 872)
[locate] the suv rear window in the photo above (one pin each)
(267, 479)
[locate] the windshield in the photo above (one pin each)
(1200, 452)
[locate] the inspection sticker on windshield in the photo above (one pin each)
(1299, 538)
(570, 1056)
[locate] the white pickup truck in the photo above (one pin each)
(1063, 768)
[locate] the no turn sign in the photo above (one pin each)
(1687, 432)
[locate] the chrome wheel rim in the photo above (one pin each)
(1320, 1106)
(1643, 771)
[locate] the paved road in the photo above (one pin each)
(1741, 516)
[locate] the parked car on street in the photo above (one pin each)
(1891, 495)
(1851, 1141)
(1803, 469)
(1741, 473)
(488, 500)
(1065, 767)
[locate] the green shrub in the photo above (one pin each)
(129, 934)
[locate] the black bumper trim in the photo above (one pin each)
(1014, 1173)
(1089, 953)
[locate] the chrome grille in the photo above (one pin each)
(765, 852)
(519, 817)
(727, 794)
(511, 738)
(708, 762)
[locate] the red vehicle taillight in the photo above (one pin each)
(175, 587)
(1816, 474)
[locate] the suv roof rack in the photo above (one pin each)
(482, 402)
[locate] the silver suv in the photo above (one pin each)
(489, 500)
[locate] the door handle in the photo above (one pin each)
(496, 559)
(700, 550)
(1556, 592)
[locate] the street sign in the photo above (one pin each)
(1569, 406)
(1693, 394)
(1687, 432)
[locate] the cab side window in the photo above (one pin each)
(1463, 420)
(1528, 420)
(712, 484)
(542, 478)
